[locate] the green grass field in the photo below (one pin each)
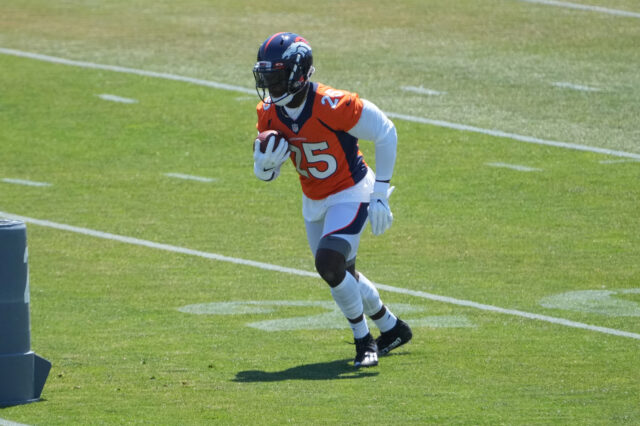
(145, 334)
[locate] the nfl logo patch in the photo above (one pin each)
(295, 128)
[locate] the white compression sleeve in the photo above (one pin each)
(374, 125)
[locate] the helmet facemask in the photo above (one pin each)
(275, 81)
(283, 80)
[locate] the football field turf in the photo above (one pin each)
(170, 286)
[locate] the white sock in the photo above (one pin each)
(372, 304)
(370, 296)
(387, 322)
(347, 297)
(360, 328)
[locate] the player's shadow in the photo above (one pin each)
(334, 370)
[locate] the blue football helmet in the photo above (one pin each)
(284, 66)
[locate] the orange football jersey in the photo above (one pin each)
(326, 157)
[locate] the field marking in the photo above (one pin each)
(114, 98)
(617, 161)
(566, 85)
(222, 86)
(115, 68)
(159, 246)
(191, 177)
(24, 182)
(514, 136)
(514, 167)
(4, 422)
(299, 272)
(332, 318)
(422, 91)
(595, 301)
(586, 7)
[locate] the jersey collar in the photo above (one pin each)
(296, 125)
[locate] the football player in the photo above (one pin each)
(340, 191)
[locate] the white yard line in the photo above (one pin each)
(566, 85)
(520, 138)
(222, 86)
(24, 182)
(617, 161)
(589, 8)
(514, 167)
(115, 68)
(114, 98)
(422, 91)
(190, 177)
(10, 423)
(299, 272)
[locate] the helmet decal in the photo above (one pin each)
(295, 48)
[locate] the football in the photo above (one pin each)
(263, 137)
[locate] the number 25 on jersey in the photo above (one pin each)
(320, 166)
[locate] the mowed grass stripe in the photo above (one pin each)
(229, 87)
(293, 271)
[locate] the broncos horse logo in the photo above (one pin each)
(299, 47)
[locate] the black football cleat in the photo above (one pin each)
(397, 336)
(366, 352)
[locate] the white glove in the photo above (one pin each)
(380, 214)
(266, 164)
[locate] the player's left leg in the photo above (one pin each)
(342, 226)
(330, 253)
(393, 331)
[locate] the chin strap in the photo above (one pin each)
(283, 100)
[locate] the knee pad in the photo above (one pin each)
(331, 259)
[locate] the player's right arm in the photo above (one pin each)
(375, 126)
(266, 165)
